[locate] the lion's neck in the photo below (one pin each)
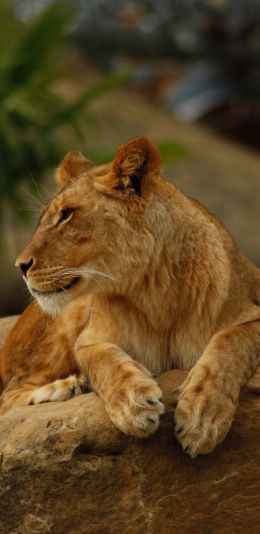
(187, 277)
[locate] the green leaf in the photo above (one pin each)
(34, 47)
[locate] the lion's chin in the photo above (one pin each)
(52, 304)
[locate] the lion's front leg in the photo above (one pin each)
(131, 397)
(208, 398)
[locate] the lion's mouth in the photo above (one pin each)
(68, 286)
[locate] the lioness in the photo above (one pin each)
(151, 281)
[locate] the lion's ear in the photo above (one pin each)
(133, 161)
(72, 165)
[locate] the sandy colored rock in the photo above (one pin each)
(65, 468)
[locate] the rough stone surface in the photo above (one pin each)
(65, 468)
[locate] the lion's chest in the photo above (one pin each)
(161, 351)
(152, 352)
(155, 348)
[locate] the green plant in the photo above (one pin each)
(32, 113)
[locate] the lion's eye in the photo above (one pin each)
(65, 214)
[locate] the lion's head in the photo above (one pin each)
(98, 232)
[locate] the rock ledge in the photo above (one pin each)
(66, 468)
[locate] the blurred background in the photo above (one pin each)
(90, 74)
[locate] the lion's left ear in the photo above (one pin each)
(133, 161)
(72, 165)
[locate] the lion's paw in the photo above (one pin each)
(135, 407)
(60, 390)
(203, 415)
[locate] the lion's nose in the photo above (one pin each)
(24, 267)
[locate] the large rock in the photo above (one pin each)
(65, 468)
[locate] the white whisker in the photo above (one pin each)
(37, 188)
(86, 272)
(32, 203)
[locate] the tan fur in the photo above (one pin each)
(150, 280)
